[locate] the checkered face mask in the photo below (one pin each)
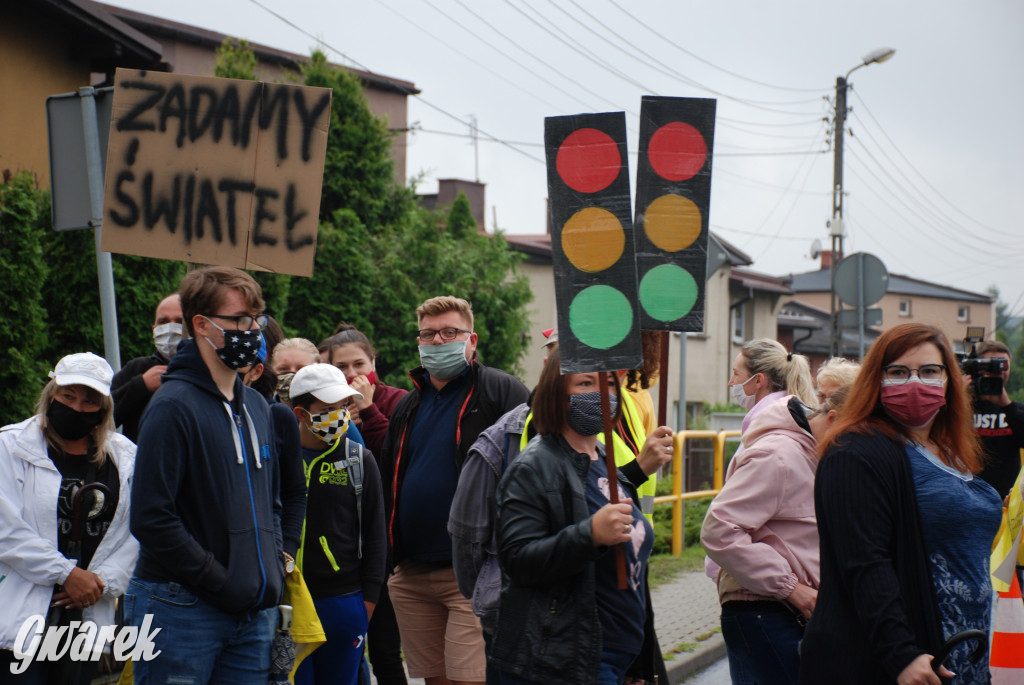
(329, 426)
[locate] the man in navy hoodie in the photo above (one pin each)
(205, 507)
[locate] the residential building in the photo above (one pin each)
(48, 47)
(906, 300)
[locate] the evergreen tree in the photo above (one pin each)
(461, 223)
(24, 213)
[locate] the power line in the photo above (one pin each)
(792, 206)
(922, 176)
(704, 61)
(579, 50)
(672, 73)
(764, 185)
(505, 55)
(931, 206)
(719, 227)
(366, 69)
(937, 225)
(956, 246)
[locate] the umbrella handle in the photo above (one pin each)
(979, 651)
(78, 514)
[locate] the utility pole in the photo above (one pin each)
(476, 145)
(835, 227)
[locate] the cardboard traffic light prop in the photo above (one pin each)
(592, 242)
(673, 194)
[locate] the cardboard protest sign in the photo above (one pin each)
(215, 171)
(592, 242)
(673, 196)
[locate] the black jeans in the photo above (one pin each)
(383, 642)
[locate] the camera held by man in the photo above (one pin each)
(998, 421)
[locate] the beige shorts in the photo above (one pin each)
(441, 636)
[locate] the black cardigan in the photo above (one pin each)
(876, 609)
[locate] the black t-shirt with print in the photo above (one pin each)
(76, 472)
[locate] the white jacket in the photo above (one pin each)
(30, 564)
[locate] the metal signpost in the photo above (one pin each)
(861, 280)
(78, 125)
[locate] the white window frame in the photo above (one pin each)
(740, 312)
(905, 308)
(963, 313)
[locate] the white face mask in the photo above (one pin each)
(166, 337)
(740, 397)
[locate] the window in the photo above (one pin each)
(739, 323)
(963, 313)
(904, 307)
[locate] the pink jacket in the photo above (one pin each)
(761, 527)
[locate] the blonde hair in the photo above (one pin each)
(838, 371)
(100, 435)
(436, 306)
(300, 344)
(783, 370)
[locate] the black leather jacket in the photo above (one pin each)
(548, 628)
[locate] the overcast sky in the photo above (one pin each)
(933, 147)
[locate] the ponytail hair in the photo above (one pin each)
(784, 371)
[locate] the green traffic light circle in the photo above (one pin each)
(601, 317)
(668, 292)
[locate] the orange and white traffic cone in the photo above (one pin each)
(1006, 659)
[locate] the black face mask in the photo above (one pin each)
(70, 424)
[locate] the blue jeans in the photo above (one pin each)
(762, 641)
(613, 667)
(337, 661)
(198, 642)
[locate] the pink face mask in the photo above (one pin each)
(914, 403)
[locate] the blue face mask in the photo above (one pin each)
(444, 361)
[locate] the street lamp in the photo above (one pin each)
(835, 226)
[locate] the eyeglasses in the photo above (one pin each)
(897, 374)
(426, 335)
(243, 322)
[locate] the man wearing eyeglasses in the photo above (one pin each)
(432, 428)
(1000, 425)
(205, 506)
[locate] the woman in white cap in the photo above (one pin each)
(67, 552)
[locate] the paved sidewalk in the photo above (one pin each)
(686, 611)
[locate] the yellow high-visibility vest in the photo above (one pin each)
(624, 452)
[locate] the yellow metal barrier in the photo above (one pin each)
(678, 496)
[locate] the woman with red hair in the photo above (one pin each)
(905, 527)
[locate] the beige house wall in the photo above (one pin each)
(542, 317)
(935, 311)
(29, 45)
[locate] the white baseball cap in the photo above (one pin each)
(325, 382)
(84, 368)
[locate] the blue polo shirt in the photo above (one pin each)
(431, 475)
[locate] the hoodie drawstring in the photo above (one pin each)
(252, 435)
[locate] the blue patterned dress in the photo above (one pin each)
(960, 515)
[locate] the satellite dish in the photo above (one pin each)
(815, 249)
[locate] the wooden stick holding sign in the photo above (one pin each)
(609, 461)
(662, 384)
(592, 254)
